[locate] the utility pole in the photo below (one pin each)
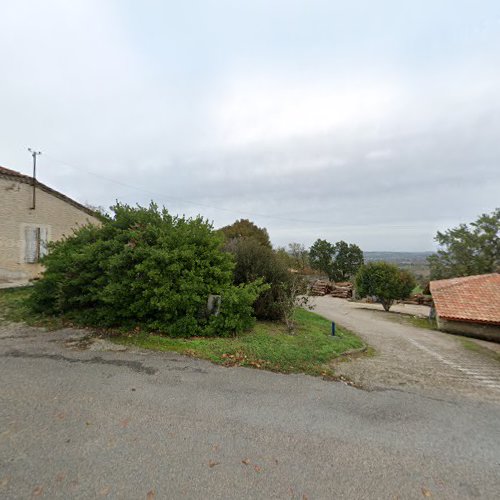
(34, 154)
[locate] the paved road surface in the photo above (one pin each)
(76, 423)
(413, 358)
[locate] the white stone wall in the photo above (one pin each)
(57, 216)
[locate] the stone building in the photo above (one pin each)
(31, 216)
(469, 305)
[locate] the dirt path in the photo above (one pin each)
(412, 358)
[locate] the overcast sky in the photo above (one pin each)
(373, 122)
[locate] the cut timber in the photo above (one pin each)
(321, 287)
(342, 290)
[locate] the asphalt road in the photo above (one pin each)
(76, 423)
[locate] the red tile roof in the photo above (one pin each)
(475, 299)
(26, 179)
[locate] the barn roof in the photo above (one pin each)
(474, 299)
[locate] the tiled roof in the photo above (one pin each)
(474, 299)
(26, 179)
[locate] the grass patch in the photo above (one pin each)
(13, 308)
(420, 322)
(473, 346)
(407, 319)
(310, 349)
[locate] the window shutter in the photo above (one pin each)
(31, 244)
(44, 238)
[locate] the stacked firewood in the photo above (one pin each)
(419, 299)
(342, 290)
(321, 287)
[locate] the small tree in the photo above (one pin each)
(292, 294)
(385, 281)
(468, 250)
(299, 255)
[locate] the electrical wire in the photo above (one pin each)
(213, 207)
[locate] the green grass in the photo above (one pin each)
(421, 322)
(473, 346)
(309, 349)
(13, 308)
(407, 319)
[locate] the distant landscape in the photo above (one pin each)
(397, 257)
(416, 262)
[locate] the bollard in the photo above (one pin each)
(333, 328)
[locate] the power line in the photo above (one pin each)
(223, 209)
(184, 200)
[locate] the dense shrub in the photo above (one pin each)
(246, 229)
(254, 261)
(145, 267)
(385, 281)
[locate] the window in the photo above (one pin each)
(35, 243)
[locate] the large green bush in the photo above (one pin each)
(144, 267)
(385, 281)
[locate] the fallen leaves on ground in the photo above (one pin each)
(426, 492)
(239, 358)
(104, 491)
(246, 461)
(124, 423)
(211, 463)
(37, 491)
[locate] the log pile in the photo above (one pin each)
(342, 290)
(321, 287)
(419, 299)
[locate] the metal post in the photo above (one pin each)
(34, 154)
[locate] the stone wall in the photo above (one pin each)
(476, 330)
(54, 215)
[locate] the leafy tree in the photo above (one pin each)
(99, 211)
(246, 229)
(468, 249)
(348, 259)
(321, 256)
(340, 261)
(299, 254)
(144, 267)
(385, 281)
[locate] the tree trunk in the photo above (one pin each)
(387, 303)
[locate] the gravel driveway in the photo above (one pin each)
(412, 358)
